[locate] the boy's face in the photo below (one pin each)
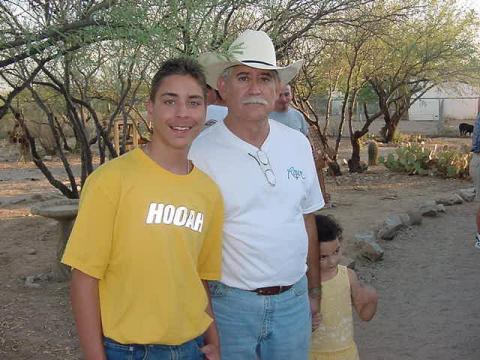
(177, 112)
(330, 255)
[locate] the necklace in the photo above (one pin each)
(147, 151)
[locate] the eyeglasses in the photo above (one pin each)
(262, 160)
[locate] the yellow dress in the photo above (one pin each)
(333, 340)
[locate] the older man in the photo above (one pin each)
(267, 177)
(287, 115)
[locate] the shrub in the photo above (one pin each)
(416, 159)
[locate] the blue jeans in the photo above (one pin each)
(252, 326)
(187, 351)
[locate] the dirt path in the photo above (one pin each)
(433, 317)
(429, 288)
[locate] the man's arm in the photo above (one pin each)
(86, 311)
(313, 272)
(212, 342)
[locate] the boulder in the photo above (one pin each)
(467, 194)
(449, 200)
(390, 227)
(368, 247)
(415, 217)
(429, 208)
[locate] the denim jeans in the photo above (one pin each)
(187, 351)
(252, 326)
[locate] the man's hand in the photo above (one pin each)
(211, 352)
(315, 312)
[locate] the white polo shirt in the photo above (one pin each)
(264, 240)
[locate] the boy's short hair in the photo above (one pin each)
(179, 66)
(328, 229)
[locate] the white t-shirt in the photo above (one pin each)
(215, 114)
(264, 240)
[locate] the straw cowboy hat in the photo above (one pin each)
(251, 48)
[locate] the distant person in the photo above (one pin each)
(339, 291)
(475, 170)
(148, 236)
(216, 109)
(285, 114)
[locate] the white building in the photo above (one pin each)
(450, 101)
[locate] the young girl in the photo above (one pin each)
(333, 340)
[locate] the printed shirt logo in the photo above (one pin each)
(293, 173)
(178, 216)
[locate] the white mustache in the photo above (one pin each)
(255, 100)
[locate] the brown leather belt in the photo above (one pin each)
(272, 290)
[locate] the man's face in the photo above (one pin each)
(284, 98)
(177, 112)
(249, 93)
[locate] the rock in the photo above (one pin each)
(30, 282)
(441, 208)
(405, 219)
(47, 158)
(31, 251)
(429, 208)
(449, 200)
(368, 247)
(348, 262)
(467, 194)
(415, 217)
(390, 227)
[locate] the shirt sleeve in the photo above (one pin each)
(90, 242)
(210, 259)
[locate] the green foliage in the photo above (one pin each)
(417, 159)
(400, 138)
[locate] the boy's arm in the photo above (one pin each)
(364, 298)
(86, 310)
(212, 342)
(313, 271)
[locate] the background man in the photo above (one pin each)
(216, 109)
(475, 170)
(267, 177)
(287, 115)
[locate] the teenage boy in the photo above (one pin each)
(148, 236)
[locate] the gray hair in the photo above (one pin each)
(227, 72)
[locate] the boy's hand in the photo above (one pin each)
(211, 352)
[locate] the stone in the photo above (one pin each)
(390, 227)
(441, 208)
(405, 219)
(429, 208)
(467, 194)
(368, 247)
(348, 262)
(31, 251)
(30, 282)
(415, 217)
(47, 158)
(449, 200)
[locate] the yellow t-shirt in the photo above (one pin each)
(149, 236)
(335, 332)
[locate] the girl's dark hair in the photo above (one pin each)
(328, 229)
(179, 66)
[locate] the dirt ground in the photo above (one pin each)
(427, 281)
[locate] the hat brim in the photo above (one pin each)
(215, 65)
